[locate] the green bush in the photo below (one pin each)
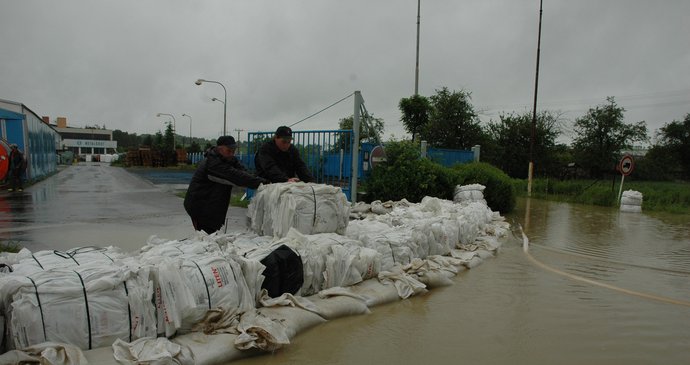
(406, 175)
(499, 192)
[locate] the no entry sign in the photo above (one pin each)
(627, 165)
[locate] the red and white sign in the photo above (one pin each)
(627, 165)
(377, 156)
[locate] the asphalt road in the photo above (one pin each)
(95, 204)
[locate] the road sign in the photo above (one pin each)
(627, 165)
(377, 156)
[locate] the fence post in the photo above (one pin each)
(476, 149)
(355, 146)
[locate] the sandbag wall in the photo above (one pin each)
(172, 285)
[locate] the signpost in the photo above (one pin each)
(626, 167)
(377, 156)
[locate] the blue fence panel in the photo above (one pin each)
(448, 158)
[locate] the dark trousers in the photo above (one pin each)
(16, 180)
(201, 224)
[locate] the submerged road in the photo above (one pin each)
(94, 204)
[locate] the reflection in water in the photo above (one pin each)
(511, 311)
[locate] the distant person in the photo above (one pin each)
(208, 195)
(278, 160)
(17, 167)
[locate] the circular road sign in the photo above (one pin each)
(627, 165)
(377, 156)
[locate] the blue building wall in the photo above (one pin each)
(38, 140)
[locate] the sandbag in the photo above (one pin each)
(86, 306)
(309, 208)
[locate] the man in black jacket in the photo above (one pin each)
(17, 167)
(208, 195)
(278, 160)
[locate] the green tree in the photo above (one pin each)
(453, 122)
(674, 138)
(510, 146)
(370, 129)
(602, 134)
(125, 140)
(169, 138)
(415, 113)
(158, 140)
(147, 140)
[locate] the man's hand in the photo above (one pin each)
(293, 179)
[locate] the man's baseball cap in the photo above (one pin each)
(284, 132)
(228, 141)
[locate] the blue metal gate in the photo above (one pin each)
(327, 154)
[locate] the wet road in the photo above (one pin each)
(94, 204)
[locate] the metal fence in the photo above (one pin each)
(327, 154)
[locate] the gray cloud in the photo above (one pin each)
(120, 63)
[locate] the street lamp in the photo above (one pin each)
(173, 118)
(225, 101)
(218, 100)
(190, 128)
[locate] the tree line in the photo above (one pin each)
(448, 119)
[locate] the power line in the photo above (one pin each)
(322, 110)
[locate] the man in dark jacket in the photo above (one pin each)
(278, 160)
(17, 167)
(208, 195)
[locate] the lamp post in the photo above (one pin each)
(173, 118)
(225, 101)
(190, 128)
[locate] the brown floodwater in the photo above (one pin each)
(595, 287)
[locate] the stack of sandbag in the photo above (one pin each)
(469, 193)
(432, 227)
(307, 207)
(631, 201)
(191, 277)
(89, 305)
(331, 260)
(395, 245)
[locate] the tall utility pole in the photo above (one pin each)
(416, 70)
(238, 133)
(534, 111)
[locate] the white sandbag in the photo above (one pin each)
(29, 263)
(407, 285)
(309, 208)
(152, 351)
(48, 353)
(630, 208)
(469, 193)
(86, 306)
(629, 200)
(330, 260)
(191, 285)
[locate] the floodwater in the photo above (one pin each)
(595, 287)
(598, 287)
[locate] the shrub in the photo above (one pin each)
(406, 175)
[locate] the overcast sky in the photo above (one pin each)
(119, 63)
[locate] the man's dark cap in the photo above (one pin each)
(284, 132)
(226, 141)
